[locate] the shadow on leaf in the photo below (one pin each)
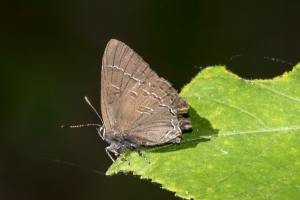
(201, 131)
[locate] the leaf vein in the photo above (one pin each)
(230, 134)
(280, 93)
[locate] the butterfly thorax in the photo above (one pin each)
(119, 141)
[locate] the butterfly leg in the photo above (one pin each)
(140, 153)
(110, 149)
(125, 159)
(107, 149)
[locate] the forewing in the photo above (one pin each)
(116, 79)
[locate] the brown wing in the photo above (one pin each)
(135, 101)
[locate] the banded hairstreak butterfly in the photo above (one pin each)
(138, 107)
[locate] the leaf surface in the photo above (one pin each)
(244, 143)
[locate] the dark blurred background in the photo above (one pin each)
(50, 58)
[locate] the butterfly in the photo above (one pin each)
(138, 107)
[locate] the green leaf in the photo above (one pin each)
(244, 143)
